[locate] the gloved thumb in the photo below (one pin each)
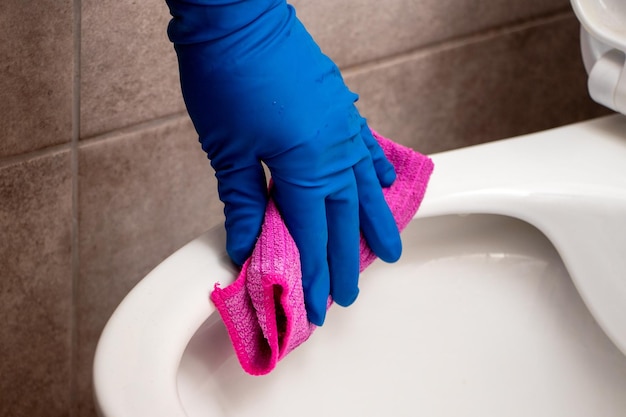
(243, 191)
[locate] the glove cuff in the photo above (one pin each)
(198, 21)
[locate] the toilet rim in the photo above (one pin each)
(126, 376)
(569, 183)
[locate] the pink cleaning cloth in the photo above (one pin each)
(263, 309)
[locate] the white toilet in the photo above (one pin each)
(513, 300)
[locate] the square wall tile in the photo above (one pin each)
(129, 71)
(35, 74)
(35, 286)
(496, 87)
(352, 31)
(142, 195)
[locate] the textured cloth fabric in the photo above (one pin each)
(263, 309)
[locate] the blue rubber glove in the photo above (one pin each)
(258, 88)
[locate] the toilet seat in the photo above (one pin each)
(569, 182)
(605, 20)
(603, 46)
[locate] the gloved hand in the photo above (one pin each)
(258, 88)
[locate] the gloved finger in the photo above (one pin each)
(377, 223)
(342, 212)
(304, 213)
(243, 191)
(385, 171)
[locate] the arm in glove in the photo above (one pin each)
(258, 88)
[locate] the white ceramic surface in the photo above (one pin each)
(603, 46)
(480, 316)
(570, 183)
(605, 20)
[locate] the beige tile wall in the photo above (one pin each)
(35, 75)
(101, 176)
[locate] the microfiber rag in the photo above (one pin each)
(263, 309)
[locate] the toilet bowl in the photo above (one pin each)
(509, 299)
(513, 302)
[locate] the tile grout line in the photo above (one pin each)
(454, 42)
(137, 127)
(24, 157)
(75, 260)
(77, 142)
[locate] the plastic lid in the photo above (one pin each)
(603, 19)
